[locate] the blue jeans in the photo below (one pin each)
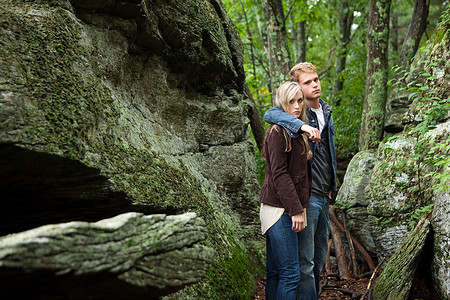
(313, 247)
(282, 260)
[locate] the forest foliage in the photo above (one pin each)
(315, 32)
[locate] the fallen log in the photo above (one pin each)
(352, 249)
(396, 279)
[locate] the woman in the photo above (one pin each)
(285, 196)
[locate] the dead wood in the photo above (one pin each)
(350, 243)
(340, 253)
(372, 278)
(358, 245)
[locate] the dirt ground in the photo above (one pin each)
(331, 290)
(357, 289)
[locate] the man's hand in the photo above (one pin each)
(313, 133)
(298, 222)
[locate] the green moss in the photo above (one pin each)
(69, 110)
(232, 275)
(397, 277)
(151, 181)
(69, 104)
(399, 177)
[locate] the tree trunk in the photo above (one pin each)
(255, 121)
(251, 39)
(277, 50)
(376, 74)
(299, 41)
(345, 25)
(264, 38)
(358, 245)
(416, 29)
(398, 102)
(394, 33)
(350, 245)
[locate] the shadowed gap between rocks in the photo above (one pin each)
(39, 189)
(422, 285)
(46, 286)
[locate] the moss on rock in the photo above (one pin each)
(74, 89)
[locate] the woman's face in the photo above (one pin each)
(295, 105)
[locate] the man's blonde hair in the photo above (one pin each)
(298, 69)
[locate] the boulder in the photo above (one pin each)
(127, 256)
(384, 193)
(113, 107)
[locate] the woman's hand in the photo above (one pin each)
(313, 133)
(298, 222)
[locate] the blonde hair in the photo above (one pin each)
(298, 69)
(285, 93)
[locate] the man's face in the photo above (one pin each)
(310, 84)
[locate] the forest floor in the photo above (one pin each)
(332, 289)
(335, 289)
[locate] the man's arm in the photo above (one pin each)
(277, 116)
(313, 133)
(291, 123)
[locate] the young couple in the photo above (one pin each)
(298, 187)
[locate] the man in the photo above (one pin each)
(313, 240)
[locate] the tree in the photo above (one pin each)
(397, 101)
(416, 29)
(255, 121)
(299, 41)
(298, 13)
(375, 94)
(310, 29)
(277, 50)
(345, 22)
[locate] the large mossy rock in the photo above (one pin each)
(381, 199)
(128, 256)
(109, 107)
(385, 192)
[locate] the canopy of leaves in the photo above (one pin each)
(322, 36)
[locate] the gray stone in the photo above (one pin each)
(380, 197)
(138, 253)
(108, 107)
(356, 179)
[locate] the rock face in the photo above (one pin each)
(130, 254)
(381, 204)
(108, 107)
(385, 192)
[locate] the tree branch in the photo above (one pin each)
(358, 245)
